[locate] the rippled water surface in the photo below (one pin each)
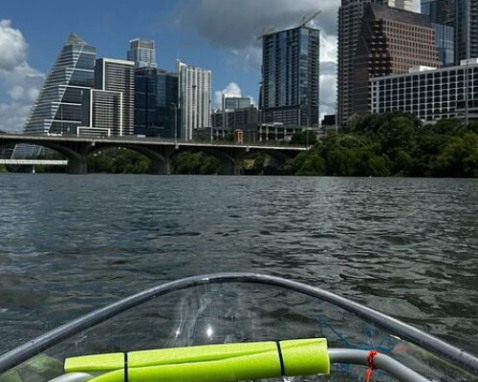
(407, 247)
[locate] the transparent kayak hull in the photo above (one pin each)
(243, 308)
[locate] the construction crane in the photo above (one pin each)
(307, 19)
(265, 33)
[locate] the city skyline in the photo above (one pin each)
(234, 57)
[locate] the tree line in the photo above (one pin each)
(382, 145)
(395, 144)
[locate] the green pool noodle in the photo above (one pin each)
(210, 363)
(199, 353)
(92, 363)
(305, 357)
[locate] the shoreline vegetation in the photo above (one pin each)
(394, 145)
(387, 145)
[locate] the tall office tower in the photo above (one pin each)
(116, 76)
(194, 99)
(391, 42)
(466, 29)
(350, 21)
(233, 102)
(58, 107)
(156, 102)
(462, 15)
(290, 77)
(445, 41)
(439, 11)
(101, 113)
(142, 53)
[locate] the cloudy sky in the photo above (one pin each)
(220, 35)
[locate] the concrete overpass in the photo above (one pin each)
(159, 151)
(31, 163)
(34, 162)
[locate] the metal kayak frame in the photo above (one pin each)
(393, 326)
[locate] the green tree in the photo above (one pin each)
(459, 157)
(309, 163)
(196, 163)
(119, 161)
(303, 138)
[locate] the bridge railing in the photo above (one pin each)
(135, 138)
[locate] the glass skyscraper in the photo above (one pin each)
(466, 29)
(290, 77)
(445, 40)
(58, 108)
(142, 53)
(156, 100)
(462, 16)
(234, 103)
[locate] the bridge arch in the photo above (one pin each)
(228, 159)
(76, 162)
(274, 158)
(160, 161)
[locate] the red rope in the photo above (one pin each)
(371, 366)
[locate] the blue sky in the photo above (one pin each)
(214, 34)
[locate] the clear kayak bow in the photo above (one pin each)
(229, 327)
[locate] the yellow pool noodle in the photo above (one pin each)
(210, 363)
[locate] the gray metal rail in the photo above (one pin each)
(381, 362)
(406, 332)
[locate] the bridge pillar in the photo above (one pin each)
(78, 165)
(230, 167)
(160, 167)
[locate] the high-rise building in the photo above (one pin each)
(194, 99)
(430, 94)
(142, 53)
(58, 108)
(117, 78)
(391, 41)
(445, 41)
(462, 16)
(156, 102)
(101, 113)
(290, 77)
(439, 11)
(466, 29)
(233, 102)
(350, 21)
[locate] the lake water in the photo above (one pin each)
(407, 247)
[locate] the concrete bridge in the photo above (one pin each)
(159, 151)
(34, 162)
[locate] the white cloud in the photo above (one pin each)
(328, 48)
(237, 24)
(17, 79)
(232, 89)
(12, 115)
(13, 48)
(238, 29)
(328, 94)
